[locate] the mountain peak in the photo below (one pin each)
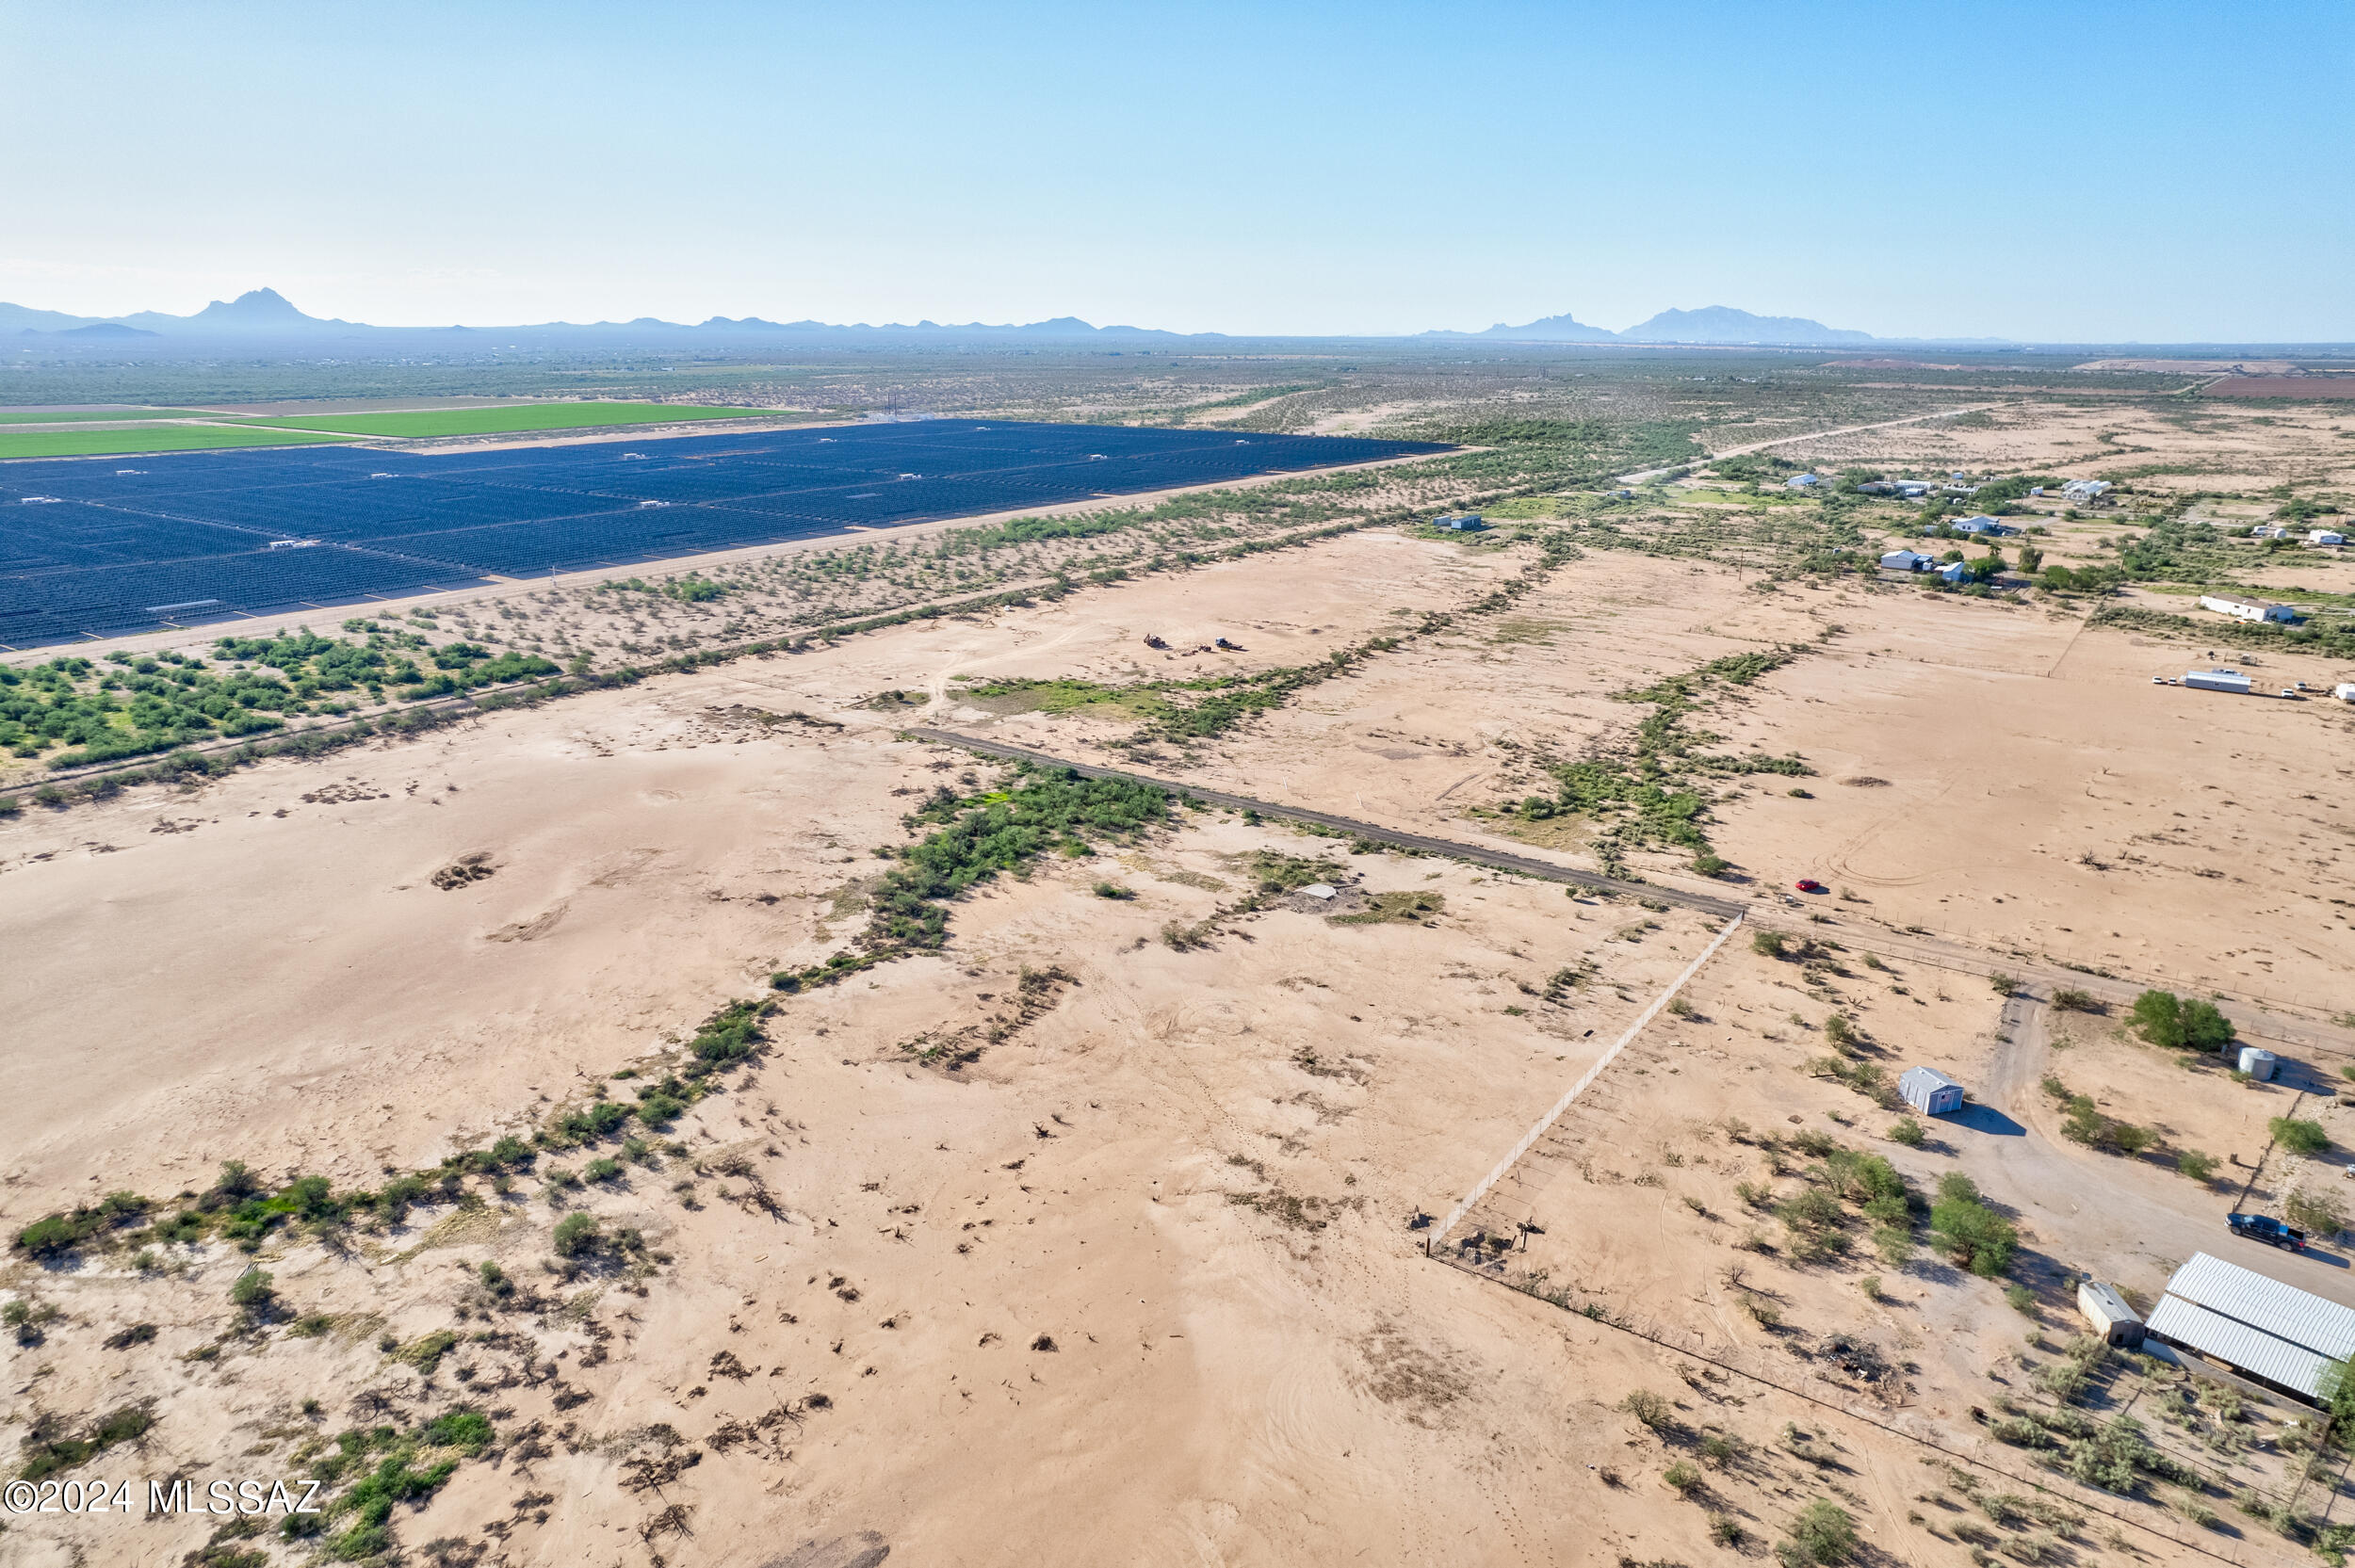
(1723, 324)
(253, 305)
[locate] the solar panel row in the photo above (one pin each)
(98, 548)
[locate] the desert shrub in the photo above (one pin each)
(2069, 999)
(1895, 1246)
(460, 1428)
(2065, 1380)
(48, 1450)
(975, 840)
(727, 1036)
(1769, 944)
(1114, 890)
(1684, 1477)
(24, 1317)
(2021, 1432)
(658, 1108)
(2179, 1023)
(252, 1289)
(1841, 1033)
(2315, 1209)
(2299, 1138)
(1719, 1449)
(1822, 1534)
(1864, 1180)
(1977, 1237)
(2004, 984)
(47, 1238)
(1726, 1530)
(595, 1120)
(56, 1233)
(2114, 1457)
(576, 1235)
(369, 1502)
(2021, 1298)
(1908, 1132)
(601, 1169)
(1651, 1409)
(1810, 1210)
(2196, 1511)
(2199, 1167)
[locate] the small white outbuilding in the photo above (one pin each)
(1931, 1092)
(1908, 561)
(2110, 1314)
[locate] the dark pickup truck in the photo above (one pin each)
(2264, 1227)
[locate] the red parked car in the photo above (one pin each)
(1809, 884)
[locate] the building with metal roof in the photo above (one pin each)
(2242, 609)
(1931, 1092)
(2219, 680)
(2272, 1333)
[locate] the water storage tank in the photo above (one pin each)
(2256, 1063)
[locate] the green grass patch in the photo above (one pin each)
(162, 438)
(1400, 907)
(1066, 696)
(509, 418)
(87, 416)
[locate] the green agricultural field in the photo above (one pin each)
(85, 416)
(517, 416)
(160, 438)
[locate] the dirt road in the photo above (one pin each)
(2107, 1209)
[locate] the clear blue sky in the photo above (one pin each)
(2157, 171)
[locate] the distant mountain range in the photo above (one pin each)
(1713, 324)
(266, 313)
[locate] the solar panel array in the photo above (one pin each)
(128, 544)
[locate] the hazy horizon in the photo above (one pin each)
(2154, 174)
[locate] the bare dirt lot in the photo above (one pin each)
(746, 1134)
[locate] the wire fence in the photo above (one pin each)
(1822, 1393)
(1545, 1123)
(2144, 971)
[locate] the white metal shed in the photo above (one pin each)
(1931, 1092)
(2112, 1317)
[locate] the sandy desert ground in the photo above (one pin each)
(1099, 1233)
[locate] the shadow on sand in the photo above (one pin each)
(1985, 1119)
